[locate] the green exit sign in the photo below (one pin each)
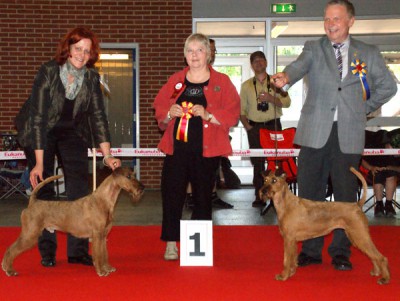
(283, 8)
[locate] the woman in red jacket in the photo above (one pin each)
(195, 108)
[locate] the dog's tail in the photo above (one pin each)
(33, 197)
(363, 198)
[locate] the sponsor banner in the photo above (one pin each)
(154, 152)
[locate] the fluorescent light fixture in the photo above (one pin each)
(114, 56)
(278, 28)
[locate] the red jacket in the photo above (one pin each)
(223, 102)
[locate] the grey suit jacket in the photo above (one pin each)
(326, 93)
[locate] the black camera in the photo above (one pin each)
(262, 106)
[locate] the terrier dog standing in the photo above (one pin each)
(88, 217)
(300, 219)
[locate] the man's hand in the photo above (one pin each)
(280, 79)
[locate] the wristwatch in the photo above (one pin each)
(210, 116)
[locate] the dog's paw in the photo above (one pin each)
(280, 277)
(375, 272)
(110, 269)
(8, 271)
(103, 273)
(383, 281)
(11, 273)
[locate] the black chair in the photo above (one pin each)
(10, 180)
(10, 174)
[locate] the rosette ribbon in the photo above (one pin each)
(359, 68)
(178, 87)
(182, 132)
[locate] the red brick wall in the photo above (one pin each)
(31, 29)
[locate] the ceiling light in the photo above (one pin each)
(114, 56)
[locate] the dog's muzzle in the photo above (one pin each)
(263, 192)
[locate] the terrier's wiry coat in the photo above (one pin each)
(88, 217)
(300, 219)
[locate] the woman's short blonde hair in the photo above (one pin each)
(203, 39)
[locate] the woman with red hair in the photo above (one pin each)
(64, 116)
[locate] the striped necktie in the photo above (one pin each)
(339, 59)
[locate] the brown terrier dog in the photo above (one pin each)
(88, 217)
(300, 219)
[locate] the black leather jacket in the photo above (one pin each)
(42, 110)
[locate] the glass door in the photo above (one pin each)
(118, 69)
(282, 41)
(235, 62)
(285, 54)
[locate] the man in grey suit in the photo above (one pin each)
(347, 80)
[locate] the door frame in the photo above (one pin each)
(134, 47)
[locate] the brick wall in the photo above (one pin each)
(31, 29)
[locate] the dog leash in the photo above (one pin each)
(267, 207)
(94, 168)
(276, 135)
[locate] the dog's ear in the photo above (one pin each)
(280, 173)
(265, 173)
(118, 171)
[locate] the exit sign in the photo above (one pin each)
(283, 8)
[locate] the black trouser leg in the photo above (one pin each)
(315, 166)
(311, 176)
(345, 187)
(74, 156)
(47, 242)
(174, 180)
(178, 170)
(72, 152)
(203, 175)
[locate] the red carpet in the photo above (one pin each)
(246, 259)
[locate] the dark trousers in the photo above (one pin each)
(178, 170)
(253, 136)
(72, 152)
(315, 166)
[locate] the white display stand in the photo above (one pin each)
(196, 245)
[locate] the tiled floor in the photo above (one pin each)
(149, 212)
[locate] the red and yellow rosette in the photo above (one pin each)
(182, 132)
(359, 68)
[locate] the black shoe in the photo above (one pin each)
(304, 260)
(342, 263)
(48, 262)
(218, 203)
(85, 260)
(257, 203)
(379, 210)
(389, 210)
